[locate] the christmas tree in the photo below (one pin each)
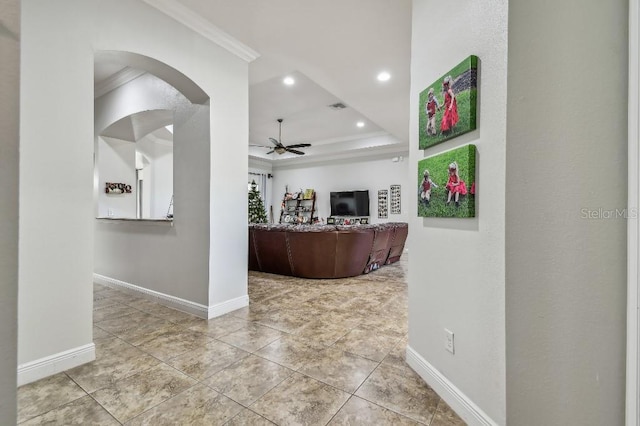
(257, 214)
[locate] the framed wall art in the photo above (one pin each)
(117, 188)
(395, 199)
(447, 184)
(383, 201)
(448, 105)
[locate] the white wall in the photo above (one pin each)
(538, 306)
(57, 226)
(56, 185)
(347, 175)
(566, 151)
(117, 164)
(457, 267)
(168, 258)
(9, 123)
(158, 175)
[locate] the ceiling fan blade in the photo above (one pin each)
(271, 152)
(275, 142)
(295, 151)
(299, 145)
(259, 146)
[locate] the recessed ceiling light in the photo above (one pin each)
(289, 81)
(360, 124)
(384, 76)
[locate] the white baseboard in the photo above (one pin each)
(228, 306)
(174, 302)
(56, 363)
(197, 309)
(458, 401)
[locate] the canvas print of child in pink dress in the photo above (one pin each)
(448, 106)
(447, 184)
(450, 116)
(455, 186)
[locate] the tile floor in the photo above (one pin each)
(305, 352)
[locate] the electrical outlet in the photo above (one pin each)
(448, 341)
(110, 212)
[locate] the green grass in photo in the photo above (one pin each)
(438, 167)
(466, 101)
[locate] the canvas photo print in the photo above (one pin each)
(447, 184)
(448, 106)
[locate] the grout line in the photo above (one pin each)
(320, 292)
(105, 409)
(56, 407)
(166, 400)
(341, 407)
(433, 417)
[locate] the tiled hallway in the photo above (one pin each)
(303, 353)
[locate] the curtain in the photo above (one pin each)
(261, 181)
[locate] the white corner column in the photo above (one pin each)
(9, 135)
(633, 231)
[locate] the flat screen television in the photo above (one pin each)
(350, 203)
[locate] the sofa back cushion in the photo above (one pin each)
(271, 250)
(313, 253)
(352, 252)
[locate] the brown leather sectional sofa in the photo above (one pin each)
(325, 251)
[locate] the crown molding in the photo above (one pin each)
(349, 138)
(116, 80)
(260, 163)
(372, 146)
(200, 25)
(349, 157)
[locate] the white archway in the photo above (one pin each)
(148, 260)
(57, 258)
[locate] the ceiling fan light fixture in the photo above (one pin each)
(278, 146)
(338, 106)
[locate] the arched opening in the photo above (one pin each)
(152, 146)
(62, 246)
(137, 148)
(129, 63)
(137, 98)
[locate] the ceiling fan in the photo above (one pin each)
(280, 148)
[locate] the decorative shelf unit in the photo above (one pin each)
(299, 208)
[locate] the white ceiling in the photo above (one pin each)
(305, 109)
(136, 126)
(334, 50)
